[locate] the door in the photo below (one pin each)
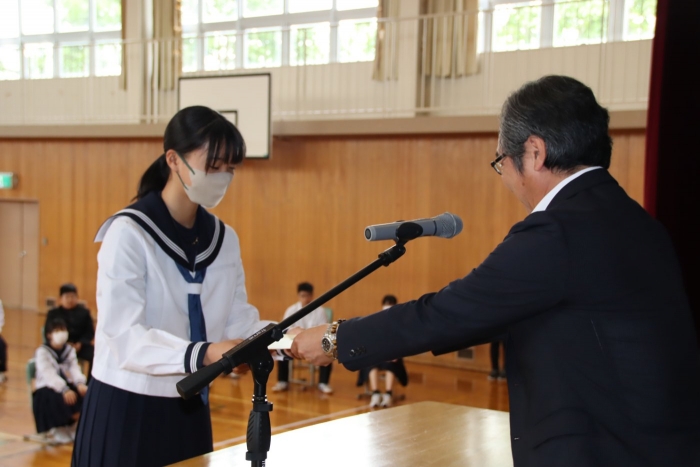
(19, 254)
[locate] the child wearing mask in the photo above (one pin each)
(60, 386)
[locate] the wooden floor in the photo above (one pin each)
(230, 401)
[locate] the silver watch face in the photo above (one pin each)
(326, 345)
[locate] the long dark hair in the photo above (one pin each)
(193, 128)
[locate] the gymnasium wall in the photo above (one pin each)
(300, 216)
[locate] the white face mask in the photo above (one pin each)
(386, 307)
(207, 189)
(59, 338)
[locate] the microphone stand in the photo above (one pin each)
(254, 352)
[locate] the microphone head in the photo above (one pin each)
(448, 225)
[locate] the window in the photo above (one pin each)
(517, 26)
(640, 19)
(42, 39)
(530, 24)
(263, 48)
(582, 22)
(230, 34)
(356, 40)
(310, 44)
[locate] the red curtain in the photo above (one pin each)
(672, 175)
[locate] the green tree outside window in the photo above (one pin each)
(356, 41)
(580, 22)
(73, 15)
(74, 61)
(9, 62)
(220, 52)
(263, 49)
(214, 11)
(640, 19)
(517, 28)
(310, 45)
(263, 7)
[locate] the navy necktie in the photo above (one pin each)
(198, 330)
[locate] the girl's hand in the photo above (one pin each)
(70, 397)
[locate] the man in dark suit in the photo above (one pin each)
(81, 330)
(602, 354)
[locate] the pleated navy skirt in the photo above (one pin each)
(396, 367)
(51, 411)
(121, 428)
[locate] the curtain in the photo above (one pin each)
(449, 37)
(671, 189)
(386, 57)
(166, 52)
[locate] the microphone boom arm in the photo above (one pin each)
(254, 352)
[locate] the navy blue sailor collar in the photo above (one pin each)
(151, 214)
(59, 355)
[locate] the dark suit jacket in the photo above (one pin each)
(602, 357)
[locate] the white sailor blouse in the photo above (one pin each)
(149, 297)
(56, 368)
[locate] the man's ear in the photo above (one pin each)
(540, 149)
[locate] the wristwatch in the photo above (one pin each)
(328, 343)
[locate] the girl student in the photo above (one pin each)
(59, 386)
(171, 299)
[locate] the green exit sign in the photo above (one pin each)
(8, 180)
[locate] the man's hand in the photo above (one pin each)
(70, 397)
(216, 350)
(82, 389)
(307, 346)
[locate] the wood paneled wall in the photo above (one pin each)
(301, 215)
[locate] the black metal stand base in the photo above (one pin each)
(254, 352)
(258, 436)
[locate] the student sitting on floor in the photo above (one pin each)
(60, 386)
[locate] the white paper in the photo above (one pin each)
(282, 344)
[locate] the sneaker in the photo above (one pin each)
(493, 375)
(61, 435)
(375, 400)
(280, 386)
(43, 438)
(502, 375)
(324, 388)
(3, 378)
(386, 400)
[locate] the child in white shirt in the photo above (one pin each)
(60, 386)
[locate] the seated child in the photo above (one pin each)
(60, 386)
(394, 368)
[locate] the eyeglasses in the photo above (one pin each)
(497, 163)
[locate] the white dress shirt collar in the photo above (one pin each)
(544, 203)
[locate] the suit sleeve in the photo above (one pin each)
(525, 275)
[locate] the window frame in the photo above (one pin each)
(283, 21)
(615, 26)
(90, 37)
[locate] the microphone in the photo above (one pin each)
(445, 225)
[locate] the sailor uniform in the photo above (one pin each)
(56, 373)
(163, 293)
